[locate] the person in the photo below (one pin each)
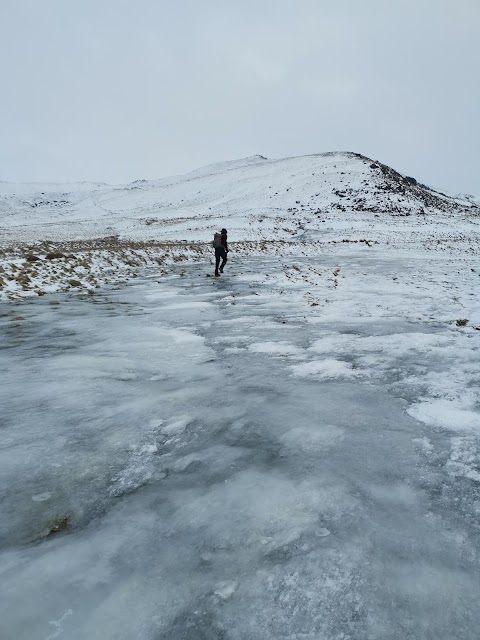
(221, 253)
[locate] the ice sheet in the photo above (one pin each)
(177, 467)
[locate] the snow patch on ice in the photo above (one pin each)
(393, 345)
(176, 427)
(446, 414)
(41, 497)
(325, 369)
(225, 589)
(58, 625)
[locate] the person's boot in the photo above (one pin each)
(217, 275)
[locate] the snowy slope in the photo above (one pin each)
(255, 198)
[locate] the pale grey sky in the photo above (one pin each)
(116, 90)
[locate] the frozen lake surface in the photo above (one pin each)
(288, 452)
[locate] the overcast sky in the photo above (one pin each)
(116, 90)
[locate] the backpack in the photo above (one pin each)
(217, 241)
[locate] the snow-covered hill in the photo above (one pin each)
(254, 198)
(319, 199)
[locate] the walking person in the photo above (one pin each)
(221, 249)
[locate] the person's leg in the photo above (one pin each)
(224, 260)
(217, 260)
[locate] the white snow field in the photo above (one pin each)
(288, 452)
(259, 198)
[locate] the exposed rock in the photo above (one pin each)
(56, 526)
(54, 255)
(60, 524)
(32, 258)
